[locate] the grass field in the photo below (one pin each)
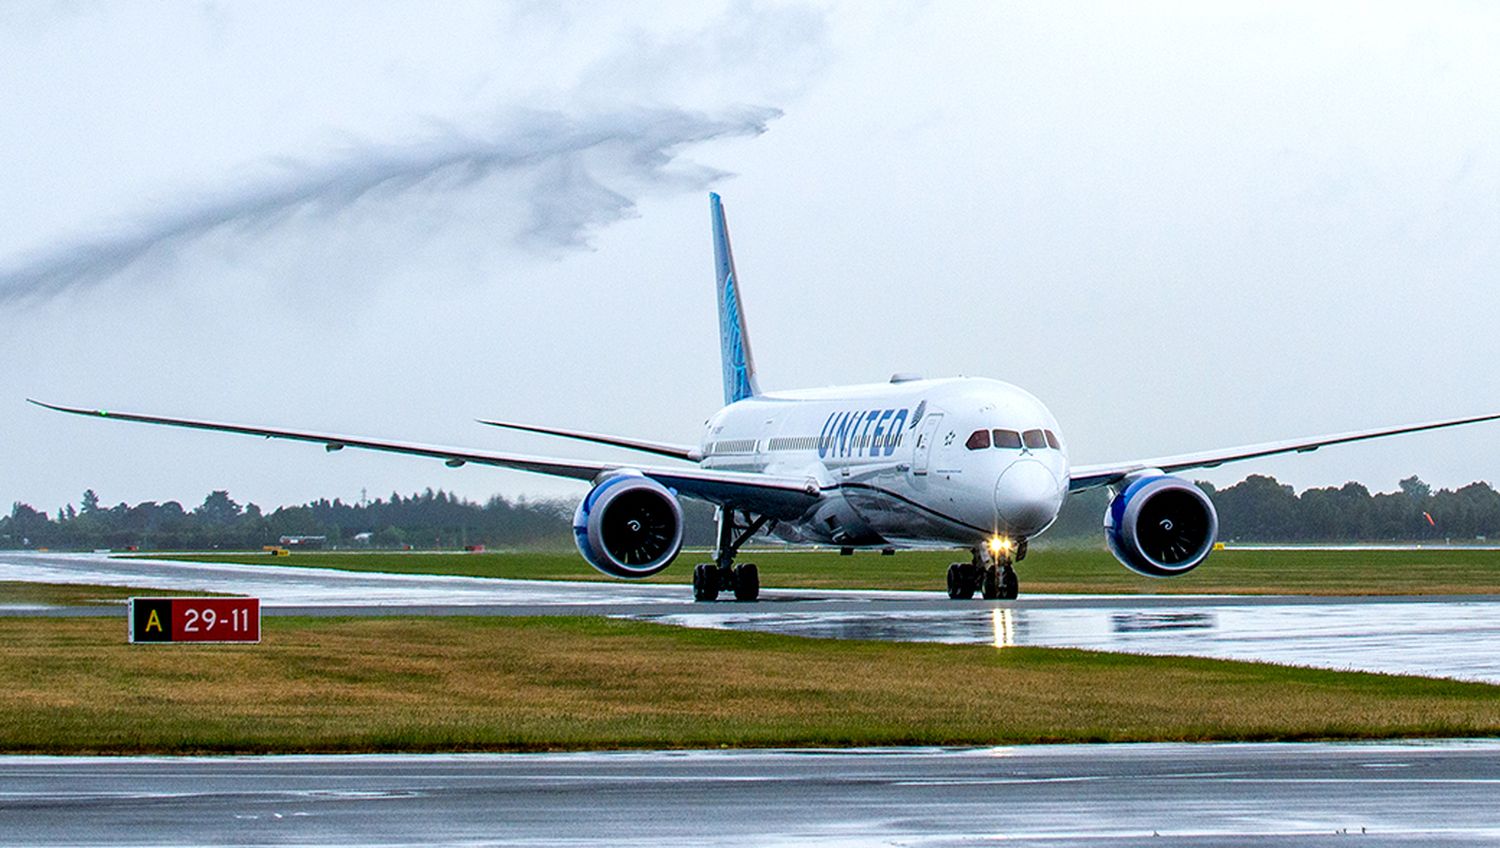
(468, 684)
(1233, 571)
(78, 594)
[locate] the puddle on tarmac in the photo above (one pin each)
(1442, 638)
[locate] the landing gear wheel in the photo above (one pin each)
(705, 582)
(746, 582)
(722, 575)
(1010, 585)
(960, 582)
(975, 577)
(990, 588)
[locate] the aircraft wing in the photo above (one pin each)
(775, 496)
(1092, 476)
(662, 448)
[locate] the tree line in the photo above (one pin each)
(1261, 509)
(1257, 509)
(430, 519)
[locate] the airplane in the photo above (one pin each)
(962, 462)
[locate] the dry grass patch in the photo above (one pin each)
(419, 684)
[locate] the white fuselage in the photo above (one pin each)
(917, 463)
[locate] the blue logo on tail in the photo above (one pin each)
(738, 377)
(734, 339)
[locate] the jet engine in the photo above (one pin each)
(629, 526)
(1161, 526)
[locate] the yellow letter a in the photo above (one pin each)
(153, 621)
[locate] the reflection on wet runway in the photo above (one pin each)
(1443, 638)
(1142, 622)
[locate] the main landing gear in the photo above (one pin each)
(989, 573)
(722, 575)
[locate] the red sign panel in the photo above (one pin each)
(195, 619)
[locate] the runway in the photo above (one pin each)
(1439, 637)
(1434, 636)
(1304, 794)
(1272, 795)
(289, 586)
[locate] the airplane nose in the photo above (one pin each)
(1027, 496)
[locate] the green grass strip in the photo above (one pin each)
(504, 684)
(1069, 570)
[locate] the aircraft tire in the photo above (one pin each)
(990, 588)
(973, 579)
(962, 581)
(956, 580)
(746, 582)
(705, 582)
(1010, 585)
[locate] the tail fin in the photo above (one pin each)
(734, 339)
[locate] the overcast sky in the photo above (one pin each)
(1182, 226)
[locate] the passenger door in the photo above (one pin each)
(922, 454)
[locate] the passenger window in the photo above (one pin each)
(1052, 440)
(978, 439)
(1034, 439)
(1007, 439)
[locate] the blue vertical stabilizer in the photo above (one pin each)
(734, 339)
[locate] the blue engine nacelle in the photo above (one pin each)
(629, 526)
(1161, 526)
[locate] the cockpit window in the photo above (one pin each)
(1052, 440)
(1007, 439)
(978, 440)
(1034, 439)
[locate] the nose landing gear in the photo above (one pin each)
(991, 575)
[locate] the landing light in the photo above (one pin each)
(1000, 543)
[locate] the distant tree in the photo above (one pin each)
(218, 509)
(1258, 507)
(26, 526)
(390, 537)
(1414, 488)
(90, 501)
(1082, 516)
(1334, 514)
(1473, 510)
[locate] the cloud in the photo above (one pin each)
(581, 173)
